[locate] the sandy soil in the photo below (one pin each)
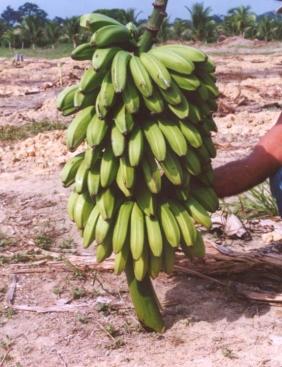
(207, 325)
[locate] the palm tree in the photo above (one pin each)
(130, 15)
(52, 32)
(72, 28)
(202, 24)
(32, 30)
(181, 29)
(239, 20)
(9, 38)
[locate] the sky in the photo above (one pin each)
(67, 8)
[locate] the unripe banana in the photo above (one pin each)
(93, 179)
(137, 230)
(189, 53)
(121, 185)
(185, 222)
(81, 100)
(169, 225)
(154, 103)
(83, 52)
(90, 80)
(173, 95)
(181, 110)
(172, 168)
(95, 21)
(89, 230)
(101, 110)
(121, 226)
(154, 235)
(192, 163)
(206, 196)
(111, 35)
(192, 134)
(168, 258)
(141, 77)
(189, 83)
(152, 174)
(71, 204)
(107, 93)
(81, 178)
(131, 98)
(103, 57)
(198, 212)
(146, 200)
(69, 171)
(210, 125)
(121, 259)
(106, 203)
(82, 210)
(194, 113)
(135, 146)
(65, 99)
(119, 70)
(118, 142)
(76, 132)
(155, 139)
(209, 146)
(156, 70)
(156, 264)
(141, 266)
(173, 135)
(123, 120)
(109, 167)
(102, 229)
(91, 156)
(105, 249)
(127, 172)
(173, 60)
(96, 131)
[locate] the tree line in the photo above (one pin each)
(30, 26)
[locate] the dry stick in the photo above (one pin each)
(11, 290)
(4, 358)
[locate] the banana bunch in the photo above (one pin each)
(144, 184)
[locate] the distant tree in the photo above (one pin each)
(10, 16)
(32, 10)
(181, 29)
(131, 15)
(116, 13)
(266, 28)
(9, 38)
(202, 25)
(52, 32)
(32, 30)
(240, 20)
(72, 29)
(3, 27)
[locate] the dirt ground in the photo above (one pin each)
(63, 316)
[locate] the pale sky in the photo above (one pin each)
(66, 8)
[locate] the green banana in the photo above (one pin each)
(173, 135)
(76, 131)
(91, 156)
(104, 249)
(81, 100)
(103, 57)
(121, 226)
(82, 210)
(106, 203)
(95, 21)
(154, 235)
(118, 142)
(191, 134)
(182, 109)
(146, 201)
(119, 70)
(135, 146)
(131, 98)
(173, 61)
(89, 230)
(83, 52)
(189, 53)
(137, 228)
(81, 178)
(169, 258)
(69, 171)
(209, 146)
(198, 212)
(65, 99)
(157, 71)
(102, 229)
(109, 167)
(169, 225)
(141, 265)
(127, 172)
(141, 77)
(123, 120)
(96, 131)
(154, 103)
(172, 168)
(155, 139)
(107, 93)
(121, 185)
(173, 95)
(93, 179)
(185, 222)
(192, 163)
(194, 113)
(90, 80)
(189, 83)
(71, 204)
(121, 259)
(152, 174)
(207, 197)
(111, 35)
(155, 265)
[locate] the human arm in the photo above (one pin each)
(239, 176)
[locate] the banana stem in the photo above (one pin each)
(144, 300)
(153, 26)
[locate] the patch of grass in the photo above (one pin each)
(14, 133)
(66, 244)
(58, 52)
(43, 241)
(5, 240)
(78, 293)
(83, 319)
(228, 353)
(57, 291)
(256, 203)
